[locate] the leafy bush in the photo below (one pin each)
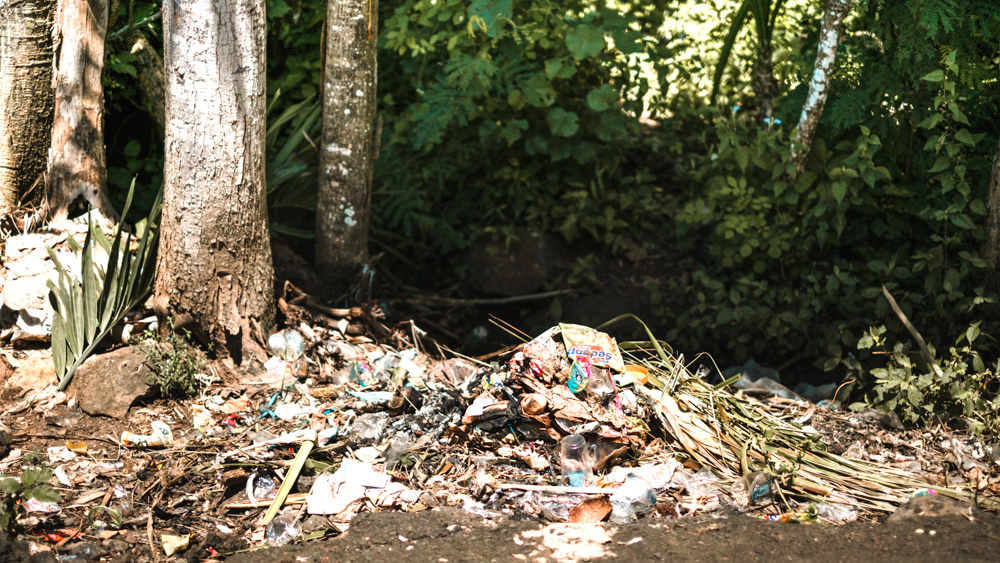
(965, 389)
(512, 114)
(177, 364)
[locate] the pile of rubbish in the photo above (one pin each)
(569, 426)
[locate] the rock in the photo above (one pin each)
(109, 384)
(5, 442)
(33, 327)
(932, 505)
(33, 373)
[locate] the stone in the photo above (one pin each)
(31, 374)
(932, 505)
(110, 384)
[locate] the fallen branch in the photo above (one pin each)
(453, 301)
(913, 332)
(557, 489)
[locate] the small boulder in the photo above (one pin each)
(931, 506)
(33, 373)
(110, 384)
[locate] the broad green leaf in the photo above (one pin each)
(963, 136)
(584, 41)
(562, 123)
(931, 121)
(839, 190)
(940, 164)
(562, 67)
(602, 98)
(963, 221)
(934, 76)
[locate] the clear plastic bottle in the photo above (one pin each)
(282, 530)
(633, 498)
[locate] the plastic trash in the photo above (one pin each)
(261, 488)
(282, 530)
(579, 374)
(287, 344)
(834, 513)
(755, 488)
(368, 428)
(361, 373)
(160, 437)
(633, 498)
(577, 460)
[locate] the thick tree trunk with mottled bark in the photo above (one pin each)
(819, 86)
(77, 166)
(991, 246)
(348, 151)
(214, 272)
(25, 97)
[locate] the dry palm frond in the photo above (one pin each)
(733, 434)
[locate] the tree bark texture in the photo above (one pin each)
(991, 246)
(347, 155)
(151, 81)
(764, 79)
(819, 85)
(25, 97)
(214, 271)
(77, 165)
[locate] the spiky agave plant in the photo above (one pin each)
(88, 306)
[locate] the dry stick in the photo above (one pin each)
(913, 332)
(557, 489)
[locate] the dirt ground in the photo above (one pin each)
(941, 531)
(453, 535)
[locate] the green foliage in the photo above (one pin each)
(965, 389)
(764, 14)
(292, 163)
(90, 303)
(15, 491)
(512, 114)
(177, 364)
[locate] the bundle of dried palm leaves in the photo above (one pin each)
(733, 434)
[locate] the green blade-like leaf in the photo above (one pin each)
(88, 285)
(111, 288)
(727, 45)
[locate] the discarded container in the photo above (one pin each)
(635, 374)
(579, 374)
(161, 437)
(282, 530)
(600, 384)
(755, 488)
(577, 460)
(633, 498)
(361, 373)
(835, 513)
(287, 345)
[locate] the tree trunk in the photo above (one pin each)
(214, 272)
(348, 154)
(25, 97)
(819, 86)
(76, 160)
(991, 246)
(764, 80)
